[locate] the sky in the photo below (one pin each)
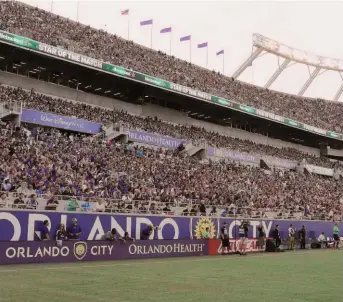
(313, 26)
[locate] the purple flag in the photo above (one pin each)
(146, 22)
(166, 30)
(202, 45)
(221, 52)
(185, 38)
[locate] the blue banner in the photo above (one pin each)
(26, 225)
(154, 139)
(59, 121)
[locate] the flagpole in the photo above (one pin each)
(206, 56)
(151, 36)
(223, 63)
(52, 2)
(77, 11)
(190, 51)
(128, 27)
(170, 41)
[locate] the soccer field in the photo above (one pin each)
(296, 276)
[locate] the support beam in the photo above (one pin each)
(338, 93)
(309, 81)
(247, 63)
(276, 74)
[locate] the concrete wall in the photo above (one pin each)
(145, 110)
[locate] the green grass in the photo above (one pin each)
(309, 276)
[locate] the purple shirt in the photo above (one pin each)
(73, 230)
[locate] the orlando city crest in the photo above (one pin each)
(80, 250)
(201, 226)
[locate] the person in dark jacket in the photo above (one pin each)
(277, 236)
(224, 236)
(302, 235)
(147, 232)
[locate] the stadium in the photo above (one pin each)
(127, 174)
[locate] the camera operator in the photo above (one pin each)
(126, 238)
(243, 234)
(110, 235)
(148, 231)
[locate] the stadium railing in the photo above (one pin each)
(151, 207)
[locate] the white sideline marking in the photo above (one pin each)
(152, 261)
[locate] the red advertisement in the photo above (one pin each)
(215, 246)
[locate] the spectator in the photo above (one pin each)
(86, 206)
(100, 206)
(3, 200)
(206, 234)
(61, 235)
(202, 209)
(32, 203)
(19, 203)
(52, 204)
(44, 231)
(6, 185)
(213, 211)
(74, 231)
(166, 209)
(73, 205)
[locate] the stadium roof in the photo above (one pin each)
(292, 56)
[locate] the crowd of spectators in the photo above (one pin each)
(54, 30)
(127, 177)
(105, 116)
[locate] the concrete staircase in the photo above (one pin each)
(196, 148)
(113, 131)
(11, 112)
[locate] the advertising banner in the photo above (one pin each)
(215, 246)
(25, 225)
(47, 251)
(279, 162)
(59, 121)
(319, 170)
(154, 139)
(157, 82)
(239, 156)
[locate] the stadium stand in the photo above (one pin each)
(45, 163)
(54, 30)
(45, 103)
